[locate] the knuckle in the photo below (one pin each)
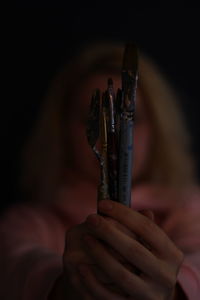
(127, 278)
(112, 221)
(120, 227)
(176, 258)
(106, 226)
(128, 214)
(133, 251)
(170, 280)
(118, 275)
(170, 283)
(167, 276)
(147, 226)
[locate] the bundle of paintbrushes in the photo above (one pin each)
(110, 131)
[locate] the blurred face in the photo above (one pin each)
(85, 162)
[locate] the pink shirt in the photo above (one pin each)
(32, 238)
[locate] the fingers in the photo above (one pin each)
(148, 213)
(95, 288)
(141, 225)
(127, 281)
(121, 227)
(130, 249)
(74, 287)
(100, 275)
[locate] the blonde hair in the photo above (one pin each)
(44, 156)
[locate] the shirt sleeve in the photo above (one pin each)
(32, 243)
(183, 227)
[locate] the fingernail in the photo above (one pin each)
(93, 220)
(89, 240)
(105, 205)
(83, 270)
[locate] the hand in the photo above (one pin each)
(76, 254)
(159, 260)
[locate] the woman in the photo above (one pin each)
(61, 173)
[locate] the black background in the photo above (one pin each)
(40, 37)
